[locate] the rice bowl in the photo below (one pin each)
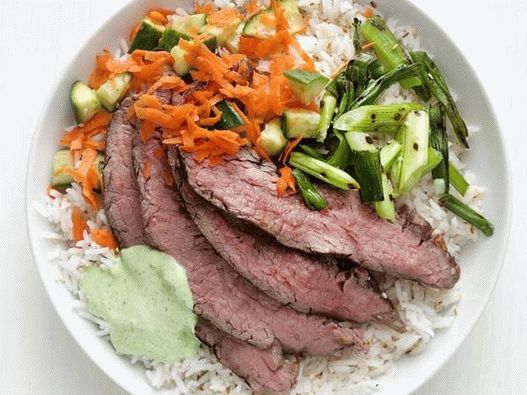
(422, 311)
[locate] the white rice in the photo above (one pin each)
(423, 311)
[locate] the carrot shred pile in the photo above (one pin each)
(223, 17)
(104, 238)
(88, 135)
(78, 223)
(86, 176)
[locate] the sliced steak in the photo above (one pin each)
(266, 371)
(306, 282)
(222, 296)
(246, 188)
(121, 193)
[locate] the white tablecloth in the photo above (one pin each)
(38, 38)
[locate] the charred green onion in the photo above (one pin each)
(386, 118)
(375, 89)
(366, 161)
(311, 151)
(460, 209)
(413, 137)
(386, 208)
(457, 180)
(323, 171)
(435, 81)
(327, 112)
(389, 153)
(341, 156)
(312, 196)
(439, 141)
(387, 48)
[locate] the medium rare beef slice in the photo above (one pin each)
(222, 296)
(121, 193)
(306, 282)
(245, 187)
(266, 371)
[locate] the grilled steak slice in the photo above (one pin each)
(121, 193)
(246, 188)
(306, 282)
(266, 371)
(221, 296)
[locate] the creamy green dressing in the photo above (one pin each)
(147, 301)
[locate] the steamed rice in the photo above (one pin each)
(422, 310)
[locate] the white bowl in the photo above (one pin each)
(481, 262)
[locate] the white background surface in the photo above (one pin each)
(37, 40)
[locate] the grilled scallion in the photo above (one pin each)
(323, 171)
(389, 153)
(386, 118)
(435, 81)
(312, 196)
(387, 48)
(413, 137)
(311, 151)
(341, 156)
(457, 180)
(366, 161)
(327, 112)
(375, 90)
(463, 211)
(439, 141)
(386, 208)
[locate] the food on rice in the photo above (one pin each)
(300, 95)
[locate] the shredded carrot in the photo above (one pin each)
(205, 8)
(291, 145)
(134, 30)
(163, 11)
(252, 7)
(100, 74)
(86, 178)
(286, 183)
(147, 130)
(78, 223)
(157, 17)
(367, 46)
(279, 13)
(223, 17)
(104, 238)
(166, 82)
(368, 13)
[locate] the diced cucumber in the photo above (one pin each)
(230, 118)
(260, 26)
(211, 42)
(232, 43)
(272, 139)
(147, 36)
(255, 27)
(181, 67)
(170, 39)
(113, 91)
(189, 25)
(307, 85)
(299, 122)
(222, 33)
(84, 101)
(63, 160)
